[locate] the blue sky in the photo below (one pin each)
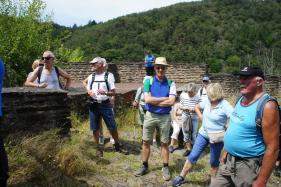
(69, 12)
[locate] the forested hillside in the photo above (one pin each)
(222, 33)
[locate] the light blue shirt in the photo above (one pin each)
(215, 119)
(242, 137)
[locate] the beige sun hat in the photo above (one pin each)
(161, 61)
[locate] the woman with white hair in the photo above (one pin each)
(216, 111)
(188, 100)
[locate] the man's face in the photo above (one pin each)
(205, 83)
(160, 70)
(96, 66)
(248, 84)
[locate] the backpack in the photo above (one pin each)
(105, 80)
(40, 73)
(264, 99)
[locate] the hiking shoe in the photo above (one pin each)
(166, 173)
(142, 171)
(277, 171)
(171, 149)
(179, 180)
(121, 149)
(186, 153)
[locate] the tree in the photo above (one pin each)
(25, 34)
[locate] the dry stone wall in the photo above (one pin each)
(134, 72)
(29, 109)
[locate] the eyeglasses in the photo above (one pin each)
(46, 58)
(160, 67)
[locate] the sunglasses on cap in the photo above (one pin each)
(46, 58)
(160, 67)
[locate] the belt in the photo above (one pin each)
(235, 158)
(101, 102)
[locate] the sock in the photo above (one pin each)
(145, 164)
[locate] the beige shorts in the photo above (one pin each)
(153, 121)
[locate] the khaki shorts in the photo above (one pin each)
(153, 121)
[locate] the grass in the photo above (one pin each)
(51, 159)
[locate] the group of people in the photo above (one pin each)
(249, 153)
(248, 156)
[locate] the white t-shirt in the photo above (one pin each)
(202, 95)
(51, 79)
(101, 85)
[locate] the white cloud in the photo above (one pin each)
(69, 12)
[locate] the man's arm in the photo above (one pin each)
(66, 76)
(168, 102)
(30, 80)
(270, 131)
(153, 100)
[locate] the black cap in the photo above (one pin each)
(251, 71)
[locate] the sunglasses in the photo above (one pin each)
(41, 64)
(205, 81)
(46, 58)
(160, 67)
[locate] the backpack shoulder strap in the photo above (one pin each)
(106, 80)
(265, 98)
(39, 74)
(58, 75)
(93, 80)
(201, 91)
(170, 81)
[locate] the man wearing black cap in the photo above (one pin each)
(250, 153)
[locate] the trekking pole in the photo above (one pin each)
(134, 113)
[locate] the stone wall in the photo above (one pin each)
(34, 110)
(134, 72)
(29, 109)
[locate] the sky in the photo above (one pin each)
(79, 12)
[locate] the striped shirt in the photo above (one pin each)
(188, 102)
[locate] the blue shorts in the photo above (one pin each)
(200, 144)
(102, 110)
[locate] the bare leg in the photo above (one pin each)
(145, 151)
(165, 152)
(186, 168)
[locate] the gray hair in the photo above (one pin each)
(191, 87)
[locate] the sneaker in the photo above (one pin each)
(186, 153)
(121, 149)
(171, 149)
(277, 171)
(142, 171)
(166, 173)
(179, 180)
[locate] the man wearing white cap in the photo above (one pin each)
(159, 95)
(100, 87)
(202, 93)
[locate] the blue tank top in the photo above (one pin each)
(242, 138)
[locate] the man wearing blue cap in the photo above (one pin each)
(251, 151)
(202, 93)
